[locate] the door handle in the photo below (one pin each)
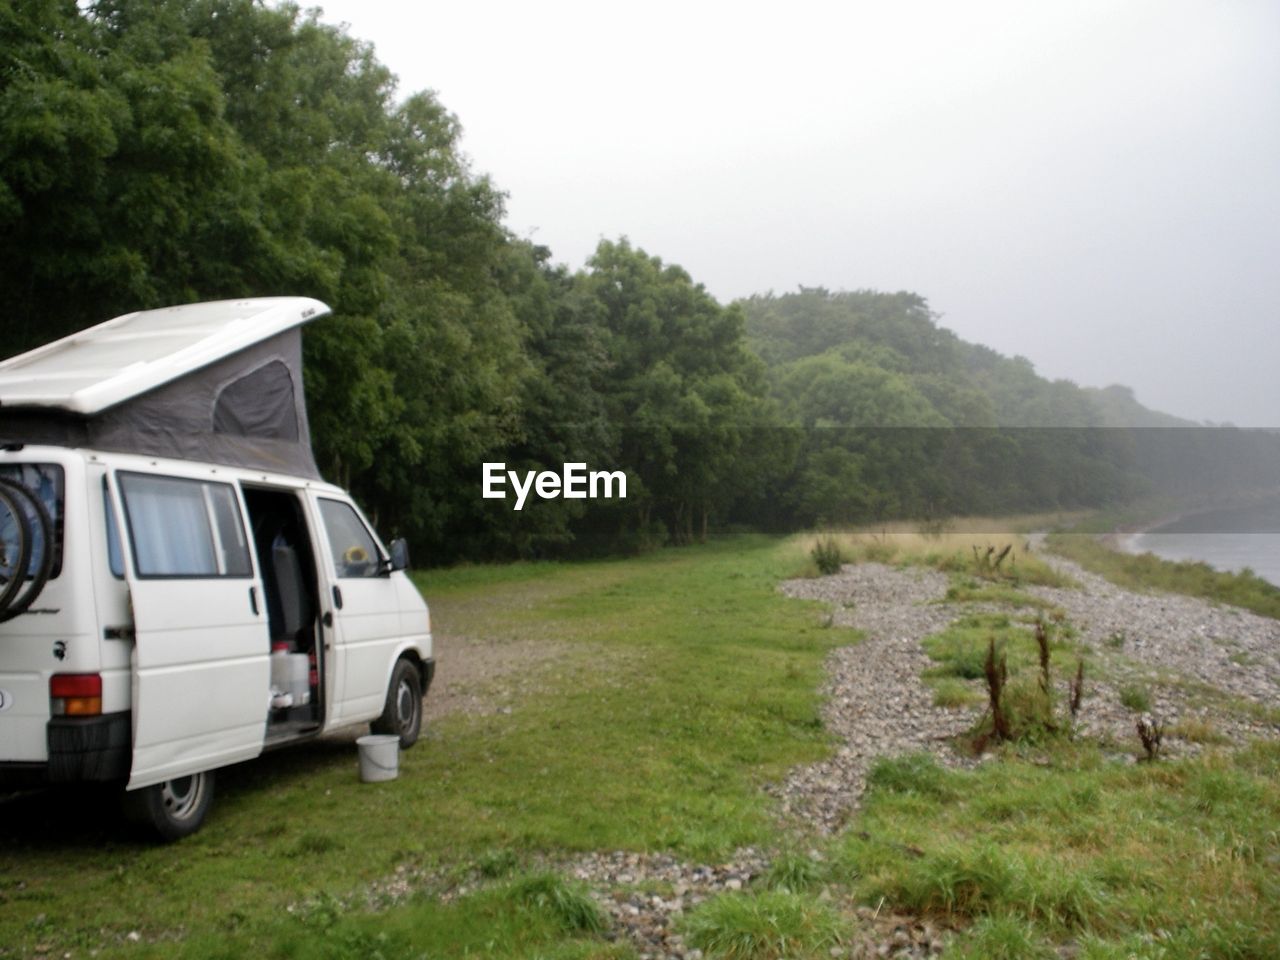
(337, 597)
(253, 600)
(327, 619)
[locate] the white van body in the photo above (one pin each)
(178, 589)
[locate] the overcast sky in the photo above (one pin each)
(1093, 185)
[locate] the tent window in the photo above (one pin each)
(259, 404)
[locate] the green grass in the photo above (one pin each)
(960, 652)
(1135, 697)
(539, 916)
(951, 692)
(763, 926)
(970, 590)
(1029, 852)
(1145, 571)
(683, 682)
(792, 871)
(686, 682)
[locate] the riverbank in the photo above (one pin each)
(1233, 539)
(669, 756)
(1145, 571)
(1206, 676)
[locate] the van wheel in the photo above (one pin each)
(173, 809)
(402, 714)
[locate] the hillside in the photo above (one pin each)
(924, 375)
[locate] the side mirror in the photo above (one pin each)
(399, 550)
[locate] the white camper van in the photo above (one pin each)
(179, 589)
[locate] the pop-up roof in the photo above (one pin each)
(218, 382)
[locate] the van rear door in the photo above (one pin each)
(201, 668)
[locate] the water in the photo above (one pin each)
(1227, 539)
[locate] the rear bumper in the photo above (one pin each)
(90, 748)
(80, 749)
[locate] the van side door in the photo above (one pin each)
(365, 608)
(201, 671)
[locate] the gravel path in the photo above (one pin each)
(875, 701)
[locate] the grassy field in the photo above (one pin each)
(683, 683)
(686, 682)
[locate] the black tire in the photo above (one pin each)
(173, 809)
(41, 531)
(15, 546)
(402, 714)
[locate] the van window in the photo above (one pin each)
(45, 481)
(184, 528)
(355, 552)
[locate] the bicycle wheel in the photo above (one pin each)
(40, 561)
(15, 546)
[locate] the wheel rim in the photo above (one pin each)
(181, 797)
(405, 708)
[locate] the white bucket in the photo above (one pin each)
(379, 757)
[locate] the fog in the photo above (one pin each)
(1095, 186)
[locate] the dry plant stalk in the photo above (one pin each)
(1042, 644)
(1150, 732)
(1077, 690)
(997, 674)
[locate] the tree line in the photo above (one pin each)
(154, 153)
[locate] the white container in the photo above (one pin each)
(280, 670)
(379, 757)
(299, 678)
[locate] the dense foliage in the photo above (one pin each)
(158, 153)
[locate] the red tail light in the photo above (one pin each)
(75, 694)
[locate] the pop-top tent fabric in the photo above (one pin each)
(216, 382)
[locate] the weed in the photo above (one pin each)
(793, 872)
(1042, 651)
(934, 527)
(313, 843)
(323, 911)
(917, 773)
(997, 675)
(1002, 938)
(1135, 698)
(1196, 730)
(987, 564)
(1115, 640)
(496, 863)
(952, 692)
(567, 905)
(969, 591)
(1076, 693)
(879, 551)
(762, 926)
(963, 881)
(1150, 732)
(827, 555)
